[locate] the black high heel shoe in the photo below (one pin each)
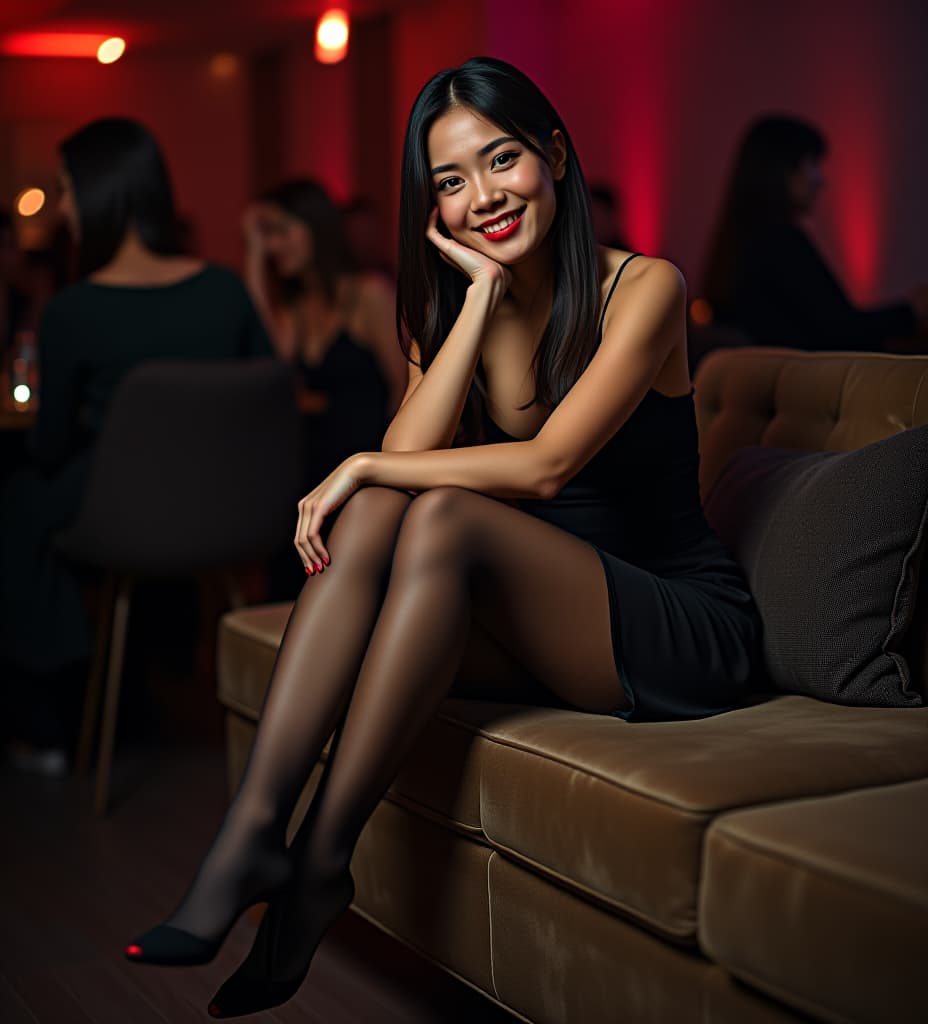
(241, 995)
(166, 945)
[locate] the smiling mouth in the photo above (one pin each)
(503, 224)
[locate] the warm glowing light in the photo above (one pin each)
(332, 37)
(224, 65)
(21, 394)
(53, 44)
(701, 312)
(29, 202)
(110, 50)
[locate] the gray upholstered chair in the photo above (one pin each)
(197, 467)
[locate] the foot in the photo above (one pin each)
(235, 874)
(290, 932)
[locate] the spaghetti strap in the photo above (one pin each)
(615, 281)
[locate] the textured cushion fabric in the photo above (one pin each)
(824, 903)
(615, 812)
(831, 544)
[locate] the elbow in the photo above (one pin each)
(548, 479)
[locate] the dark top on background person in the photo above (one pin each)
(92, 333)
(765, 275)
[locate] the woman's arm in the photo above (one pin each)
(637, 339)
(431, 411)
(278, 329)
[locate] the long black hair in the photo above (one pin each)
(757, 197)
(120, 178)
(430, 293)
(308, 201)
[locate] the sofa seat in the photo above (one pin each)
(615, 813)
(841, 886)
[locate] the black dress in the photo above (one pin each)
(685, 628)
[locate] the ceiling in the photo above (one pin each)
(179, 25)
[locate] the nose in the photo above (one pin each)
(487, 196)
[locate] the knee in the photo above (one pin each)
(368, 524)
(435, 527)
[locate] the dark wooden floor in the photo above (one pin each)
(75, 888)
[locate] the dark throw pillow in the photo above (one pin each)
(830, 543)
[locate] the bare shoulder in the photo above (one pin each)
(653, 274)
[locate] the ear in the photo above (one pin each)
(557, 154)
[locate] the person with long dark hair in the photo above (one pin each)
(137, 299)
(334, 322)
(530, 531)
(764, 274)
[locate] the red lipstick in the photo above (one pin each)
(498, 236)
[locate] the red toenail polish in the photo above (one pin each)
(133, 950)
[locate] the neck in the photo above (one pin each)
(532, 279)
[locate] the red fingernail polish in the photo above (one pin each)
(325, 560)
(309, 571)
(318, 567)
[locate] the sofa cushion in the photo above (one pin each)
(841, 888)
(614, 811)
(831, 544)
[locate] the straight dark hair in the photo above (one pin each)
(757, 197)
(309, 202)
(120, 179)
(430, 293)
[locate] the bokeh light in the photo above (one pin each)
(21, 394)
(29, 202)
(332, 33)
(110, 50)
(701, 312)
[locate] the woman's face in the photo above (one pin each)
(494, 194)
(67, 204)
(288, 241)
(805, 183)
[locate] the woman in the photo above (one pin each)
(137, 300)
(764, 274)
(335, 323)
(531, 529)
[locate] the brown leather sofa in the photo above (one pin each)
(769, 864)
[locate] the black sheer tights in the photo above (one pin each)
(450, 588)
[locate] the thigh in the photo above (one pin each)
(539, 591)
(364, 532)
(489, 672)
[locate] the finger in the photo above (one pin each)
(315, 536)
(314, 562)
(298, 538)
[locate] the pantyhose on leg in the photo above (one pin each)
(539, 591)
(316, 669)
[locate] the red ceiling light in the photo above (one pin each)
(332, 31)
(106, 49)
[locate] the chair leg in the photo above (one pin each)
(113, 684)
(91, 710)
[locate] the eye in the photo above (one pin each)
(448, 183)
(504, 159)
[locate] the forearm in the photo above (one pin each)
(429, 419)
(515, 469)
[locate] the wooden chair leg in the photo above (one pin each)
(113, 684)
(91, 710)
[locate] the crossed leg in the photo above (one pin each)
(537, 591)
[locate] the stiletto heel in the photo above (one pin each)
(241, 995)
(166, 945)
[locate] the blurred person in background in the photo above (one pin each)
(331, 320)
(137, 299)
(765, 276)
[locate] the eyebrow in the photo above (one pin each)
(441, 168)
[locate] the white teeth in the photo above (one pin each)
(500, 225)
